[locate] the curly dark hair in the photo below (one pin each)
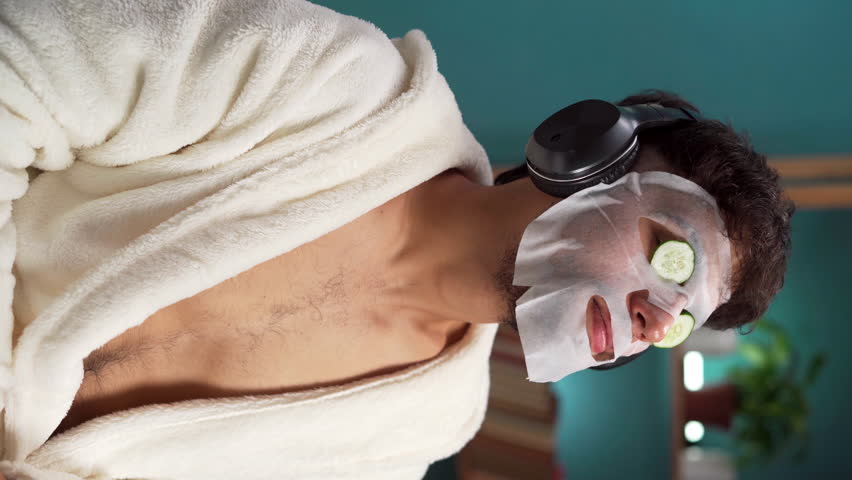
(748, 192)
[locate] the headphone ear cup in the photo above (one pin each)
(621, 168)
(614, 173)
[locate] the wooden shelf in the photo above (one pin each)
(517, 438)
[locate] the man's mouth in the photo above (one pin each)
(601, 338)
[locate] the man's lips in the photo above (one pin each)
(602, 330)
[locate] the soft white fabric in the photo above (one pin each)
(184, 143)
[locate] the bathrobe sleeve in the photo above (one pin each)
(40, 125)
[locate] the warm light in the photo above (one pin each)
(693, 431)
(693, 371)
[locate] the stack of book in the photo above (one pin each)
(516, 440)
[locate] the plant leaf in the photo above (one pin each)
(780, 350)
(754, 354)
(773, 412)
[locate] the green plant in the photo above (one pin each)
(772, 417)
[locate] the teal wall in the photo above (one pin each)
(780, 70)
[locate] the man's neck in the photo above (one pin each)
(457, 244)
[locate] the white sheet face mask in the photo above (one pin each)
(589, 244)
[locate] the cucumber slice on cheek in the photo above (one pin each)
(684, 323)
(675, 260)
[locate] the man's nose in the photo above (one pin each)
(650, 322)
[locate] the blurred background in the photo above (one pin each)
(719, 406)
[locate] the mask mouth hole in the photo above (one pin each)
(590, 312)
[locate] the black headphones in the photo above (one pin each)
(591, 142)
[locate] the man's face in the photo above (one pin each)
(652, 235)
(598, 277)
(649, 323)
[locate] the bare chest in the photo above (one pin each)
(295, 322)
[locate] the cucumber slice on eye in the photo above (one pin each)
(683, 325)
(674, 260)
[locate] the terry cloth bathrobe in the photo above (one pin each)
(151, 150)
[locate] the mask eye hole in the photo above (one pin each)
(653, 234)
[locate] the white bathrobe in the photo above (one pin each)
(183, 143)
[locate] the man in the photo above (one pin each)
(751, 202)
(205, 338)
